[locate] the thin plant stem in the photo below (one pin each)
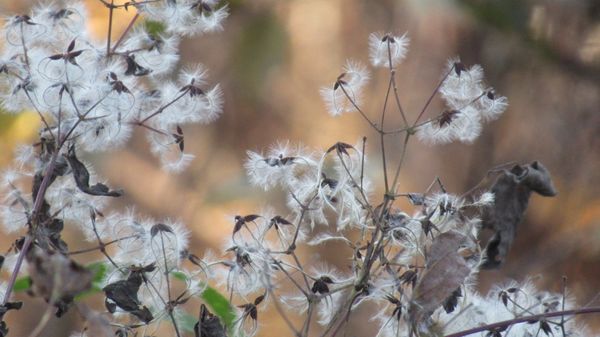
(359, 109)
(564, 295)
(125, 32)
(39, 328)
(111, 8)
(308, 320)
(382, 135)
(24, 47)
(393, 83)
(99, 247)
(510, 322)
(435, 91)
(48, 173)
(162, 108)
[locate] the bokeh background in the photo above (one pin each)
(273, 56)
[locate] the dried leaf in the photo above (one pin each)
(208, 324)
(446, 271)
(82, 178)
(123, 293)
(56, 278)
(511, 194)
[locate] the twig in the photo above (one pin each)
(435, 91)
(111, 8)
(125, 32)
(524, 319)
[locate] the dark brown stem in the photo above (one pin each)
(382, 135)
(360, 110)
(125, 32)
(507, 323)
(111, 8)
(37, 205)
(100, 246)
(432, 96)
(162, 108)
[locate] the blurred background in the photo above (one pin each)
(274, 55)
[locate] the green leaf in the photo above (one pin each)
(154, 28)
(99, 270)
(219, 306)
(179, 275)
(22, 284)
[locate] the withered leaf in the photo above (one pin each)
(124, 294)
(208, 325)
(56, 278)
(10, 306)
(511, 191)
(82, 178)
(445, 271)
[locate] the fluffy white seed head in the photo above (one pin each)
(347, 90)
(387, 48)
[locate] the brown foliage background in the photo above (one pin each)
(274, 55)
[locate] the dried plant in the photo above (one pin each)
(418, 267)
